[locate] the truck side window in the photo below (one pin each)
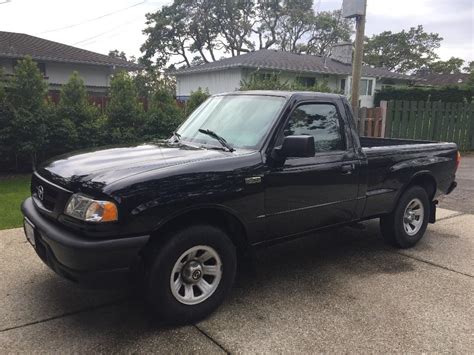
(320, 121)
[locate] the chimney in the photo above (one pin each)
(342, 52)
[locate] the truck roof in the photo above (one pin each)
(286, 94)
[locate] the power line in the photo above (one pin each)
(108, 31)
(93, 19)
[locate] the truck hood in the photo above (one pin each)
(98, 168)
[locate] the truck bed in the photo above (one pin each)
(377, 147)
(391, 161)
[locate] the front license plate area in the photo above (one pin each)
(29, 232)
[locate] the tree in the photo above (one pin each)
(450, 66)
(469, 68)
(327, 29)
(124, 111)
(168, 36)
(78, 122)
(148, 81)
(295, 22)
(268, 14)
(121, 55)
(163, 116)
(6, 117)
(234, 22)
(195, 99)
(26, 96)
(194, 30)
(404, 51)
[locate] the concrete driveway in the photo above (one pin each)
(343, 291)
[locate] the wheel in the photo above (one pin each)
(191, 274)
(406, 225)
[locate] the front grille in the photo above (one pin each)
(49, 198)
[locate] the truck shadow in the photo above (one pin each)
(315, 266)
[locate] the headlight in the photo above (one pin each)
(89, 210)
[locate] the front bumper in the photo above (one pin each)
(83, 260)
(451, 187)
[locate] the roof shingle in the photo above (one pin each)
(286, 61)
(442, 79)
(18, 45)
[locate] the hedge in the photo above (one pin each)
(444, 94)
(34, 128)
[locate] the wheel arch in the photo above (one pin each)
(423, 179)
(216, 215)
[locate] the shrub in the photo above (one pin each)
(125, 114)
(195, 99)
(6, 117)
(273, 81)
(163, 115)
(80, 120)
(26, 96)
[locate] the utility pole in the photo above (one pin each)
(357, 61)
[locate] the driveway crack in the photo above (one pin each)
(67, 314)
(212, 339)
(434, 264)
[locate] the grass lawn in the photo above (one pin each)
(13, 190)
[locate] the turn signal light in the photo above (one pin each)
(458, 160)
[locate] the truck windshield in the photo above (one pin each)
(242, 120)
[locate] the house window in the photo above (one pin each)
(365, 87)
(342, 86)
(306, 81)
(263, 76)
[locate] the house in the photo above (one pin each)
(426, 78)
(226, 74)
(57, 61)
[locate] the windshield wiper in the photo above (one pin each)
(176, 135)
(217, 137)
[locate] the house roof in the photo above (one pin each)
(433, 79)
(286, 61)
(18, 45)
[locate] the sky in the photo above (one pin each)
(103, 25)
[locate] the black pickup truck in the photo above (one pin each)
(246, 169)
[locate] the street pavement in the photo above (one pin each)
(343, 291)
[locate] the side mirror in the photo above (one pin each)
(297, 147)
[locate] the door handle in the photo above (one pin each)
(347, 169)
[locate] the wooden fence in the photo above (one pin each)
(437, 121)
(372, 121)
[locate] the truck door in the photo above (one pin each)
(309, 193)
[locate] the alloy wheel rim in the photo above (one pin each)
(196, 275)
(413, 217)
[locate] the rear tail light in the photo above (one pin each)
(458, 160)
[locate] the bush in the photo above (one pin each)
(195, 99)
(6, 118)
(26, 98)
(125, 114)
(257, 81)
(33, 128)
(80, 121)
(445, 94)
(163, 115)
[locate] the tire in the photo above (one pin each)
(402, 228)
(180, 262)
